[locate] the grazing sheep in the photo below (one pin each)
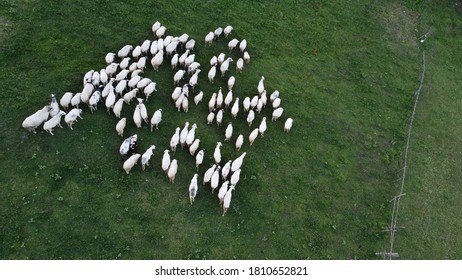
(174, 61)
(184, 134)
(166, 160)
(222, 191)
(243, 45)
(161, 31)
(191, 135)
(288, 124)
(250, 117)
(120, 126)
(198, 97)
(192, 68)
(144, 82)
(276, 103)
(210, 117)
(228, 98)
(221, 58)
(109, 58)
(175, 139)
(212, 73)
(226, 169)
(104, 78)
(190, 59)
(94, 99)
(183, 57)
(253, 135)
(124, 63)
(217, 153)
(246, 104)
(176, 94)
(235, 177)
(172, 170)
(239, 65)
(133, 67)
(274, 95)
(220, 117)
(111, 69)
(264, 98)
(117, 109)
(136, 51)
(54, 107)
(120, 87)
(190, 44)
(143, 111)
(239, 142)
(178, 76)
(259, 106)
(179, 101)
(254, 102)
(149, 89)
(229, 132)
(225, 65)
(212, 102)
(130, 162)
(218, 32)
(54, 121)
(194, 146)
(75, 101)
(213, 61)
(66, 100)
(261, 85)
(246, 57)
(199, 158)
(219, 98)
(232, 44)
(147, 156)
(145, 46)
(194, 78)
(124, 51)
(237, 163)
(227, 199)
(262, 127)
(129, 146)
(193, 187)
(231, 82)
(157, 60)
(108, 87)
(235, 108)
(227, 30)
(215, 180)
(208, 174)
(141, 63)
(130, 95)
(36, 119)
(137, 116)
(209, 38)
(153, 49)
(277, 113)
(155, 26)
(72, 116)
(156, 119)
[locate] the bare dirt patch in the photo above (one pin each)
(400, 24)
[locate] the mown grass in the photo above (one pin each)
(319, 192)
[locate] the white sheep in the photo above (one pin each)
(209, 38)
(237, 163)
(190, 44)
(229, 132)
(227, 30)
(246, 104)
(190, 59)
(221, 58)
(199, 158)
(124, 63)
(144, 82)
(130, 162)
(191, 135)
(54, 121)
(218, 32)
(208, 174)
(153, 49)
(212, 102)
(222, 191)
(136, 51)
(110, 100)
(212, 73)
(143, 111)
(263, 98)
(75, 101)
(261, 85)
(128, 145)
(259, 105)
(185, 104)
(227, 199)
(243, 45)
(149, 89)
(176, 93)
(109, 58)
(253, 135)
(172, 170)
(219, 98)
(210, 117)
(120, 126)
(166, 160)
(213, 61)
(215, 179)
(66, 100)
(226, 169)
(184, 134)
(178, 76)
(130, 95)
(235, 177)
(254, 102)
(194, 146)
(117, 109)
(133, 66)
(124, 51)
(194, 78)
(274, 95)
(193, 188)
(72, 116)
(225, 65)
(137, 116)
(141, 63)
(183, 57)
(239, 142)
(228, 98)
(231, 82)
(111, 69)
(219, 117)
(155, 26)
(235, 108)
(108, 87)
(36, 119)
(145, 46)
(232, 44)
(120, 87)
(250, 117)
(239, 65)
(87, 77)
(276, 103)
(288, 124)
(94, 100)
(95, 79)
(147, 156)
(174, 61)
(175, 139)
(157, 60)
(54, 106)
(198, 97)
(217, 153)
(277, 113)
(193, 67)
(104, 78)
(262, 127)
(161, 31)
(179, 101)
(156, 119)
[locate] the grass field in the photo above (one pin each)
(346, 75)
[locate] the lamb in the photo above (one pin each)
(66, 100)
(235, 108)
(176, 93)
(217, 153)
(226, 169)
(75, 101)
(229, 132)
(209, 38)
(198, 97)
(109, 58)
(72, 116)
(212, 73)
(184, 134)
(153, 49)
(222, 192)
(87, 78)
(228, 98)
(259, 105)
(36, 119)
(243, 45)
(194, 146)
(147, 156)
(166, 161)
(130, 162)
(208, 174)
(237, 163)
(277, 113)
(190, 59)
(235, 177)
(215, 180)
(199, 158)
(191, 135)
(262, 127)
(227, 30)
(104, 78)
(227, 199)
(143, 110)
(253, 135)
(175, 139)
(156, 119)
(124, 51)
(137, 116)
(54, 107)
(179, 101)
(120, 126)
(149, 89)
(178, 76)
(117, 109)
(108, 87)
(193, 187)
(133, 66)
(172, 170)
(54, 121)
(288, 124)
(231, 82)
(225, 65)
(250, 117)
(263, 98)
(261, 85)
(254, 102)
(239, 65)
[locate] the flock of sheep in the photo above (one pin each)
(121, 81)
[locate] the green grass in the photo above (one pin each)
(346, 76)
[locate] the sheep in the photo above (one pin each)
(237, 163)
(208, 174)
(225, 65)
(66, 100)
(143, 111)
(136, 51)
(172, 170)
(108, 87)
(54, 106)
(155, 26)
(235, 108)
(144, 82)
(54, 121)
(137, 116)
(72, 116)
(232, 44)
(75, 101)
(263, 98)
(215, 179)
(145, 46)
(184, 134)
(218, 32)
(239, 65)
(120, 126)
(124, 51)
(254, 102)
(190, 59)
(246, 57)
(111, 69)
(117, 109)
(277, 113)
(262, 127)
(231, 82)
(261, 85)
(222, 191)
(227, 199)
(194, 146)
(120, 87)
(174, 61)
(191, 135)
(104, 78)
(250, 117)
(194, 78)
(228, 98)
(130, 95)
(199, 158)
(94, 99)
(166, 161)
(124, 63)
(229, 132)
(193, 187)
(157, 60)
(176, 93)
(147, 156)
(87, 77)
(274, 95)
(210, 117)
(129, 146)
(183, 57)
(235, 177)
(190, 44)
(133, 66)
(219, 98)
(217, 153)
(175, 139)
(221, 58)
(95, 78)
(178, 76)
(109, 58)
(276, 103)
(141, 63)
(36, 119)
(243, 45)
(179, 101)
(192, 68)
(213, 61)
(227, 30)
(156, 119)
(198, 97)
(149, 89)
(130, 162)
(225, 170)
(161, 31)
(212, 102)
(253, 135)
(219, 117)
(153, 49)
(246, 104)
(288, 124)
(259, 106)
(212, 73)
(209, 38)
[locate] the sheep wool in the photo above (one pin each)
(130, 162)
